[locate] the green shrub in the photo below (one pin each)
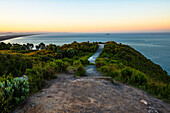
(14, 64)
(105, 69)
(114, 74)
(71, 69)
(100, 62)
(138, 78)
(80, 71)
(68, 60)
(12, 92)
(35, 78)
(84, 61)
(113, 61)
(126, 72)
(62, 66)
(77, 63)
(48, 72)
(39, 74)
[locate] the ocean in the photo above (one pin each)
(155, 46)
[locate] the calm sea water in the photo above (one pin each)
(155, 46)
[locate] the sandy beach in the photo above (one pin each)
(14, 36)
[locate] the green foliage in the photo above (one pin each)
(48, 72)
(84, 61)
(80, 71)
(39, 74)
(39, 65)
(61, 66)
(101, 62)
(113, 61)
(18, 47)
(53, 47)
(114, 74)
(14, 64)
(4, 46)
(138, 78)
(76, 63)
(35, 78)
(12, 92)
(127, 65)
(131, 58)
(126, 74)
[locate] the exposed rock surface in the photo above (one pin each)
(86, 95)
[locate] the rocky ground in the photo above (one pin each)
(86, 95)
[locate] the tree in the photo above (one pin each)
(8, 46)
(42, 45)
(15, 47)
(37, 47)
(31, 46)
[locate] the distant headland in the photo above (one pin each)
(6, 37)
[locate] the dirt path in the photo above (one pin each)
(93, 58)
(89, 95)
(91, 70)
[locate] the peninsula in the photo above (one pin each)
(14, 36)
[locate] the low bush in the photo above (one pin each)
(84, 61)
(126, 74)
(100, 62)
(35, 78)
(48, 72)
(61, 66)
(80, 71)
(113, 61)
(114, 74)
(138, 78)
(77, 63)
(15, 65)
(39, 74)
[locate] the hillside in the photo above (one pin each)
(125, 64)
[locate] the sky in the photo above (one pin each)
(84, 15)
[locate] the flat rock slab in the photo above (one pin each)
(70, 95)
(91, 71)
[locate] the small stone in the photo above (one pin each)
(32, 104)
(144, 101)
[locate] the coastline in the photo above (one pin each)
(2, 38)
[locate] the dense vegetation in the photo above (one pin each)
(40, 66)
(123, 63)
(118, 61)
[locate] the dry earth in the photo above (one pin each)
(86, 95)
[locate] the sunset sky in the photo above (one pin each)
(84, 15)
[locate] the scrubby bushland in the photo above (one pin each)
(39, 74)
(39, 65)
(127, 65)
(15, 65)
